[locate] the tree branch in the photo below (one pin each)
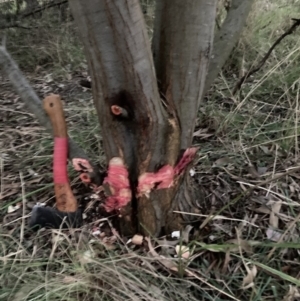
(32, 101)
(266, 56)
(227, 37)
(17, 18)
(43, 7)
(15, 25)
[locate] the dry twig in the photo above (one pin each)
(266, 56)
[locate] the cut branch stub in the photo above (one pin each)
(118, 184)
(119, 111)
(118, 190)
(89, 175)
(187, 157)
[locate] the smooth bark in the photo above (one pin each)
(121, 66)
(227, 37)
(182, 43)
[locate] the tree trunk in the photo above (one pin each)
(147, 127)
(182, 43)
(227, 37)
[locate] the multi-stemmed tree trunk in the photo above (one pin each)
(146, 97)
(158, 91)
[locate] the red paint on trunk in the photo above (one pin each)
(117, 179)
(187, 157)
(164, 177)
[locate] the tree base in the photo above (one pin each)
(185, 204)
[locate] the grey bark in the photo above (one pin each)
(120, 61)
(31, 100)
(121, 65)
(182, 43)
(227, 37)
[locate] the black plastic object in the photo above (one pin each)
(47, 217)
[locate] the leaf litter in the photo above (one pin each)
(263, 216)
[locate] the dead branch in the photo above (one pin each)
(15, 25)
(26, 14)
(266, 56)
(43, 7)
(31, 100)
(227, 37)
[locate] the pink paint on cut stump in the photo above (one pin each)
(187, 157)
(60, 174)
(117, 179)
(164, 177)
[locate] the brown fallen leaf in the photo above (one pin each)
(186, 233)
(253, 172)
(293, 294)
(262, 170)
(248, 280)
(265, 149)
(273, 235)
(262, 209)
(69, 279)
(13, 208)
(275, 209)
(87, 257)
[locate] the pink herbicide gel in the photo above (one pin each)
(117, 179)
(187, 157)
(164, 176)
(60, 160)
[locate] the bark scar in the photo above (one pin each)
(165, 176)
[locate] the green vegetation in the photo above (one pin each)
(245, 142)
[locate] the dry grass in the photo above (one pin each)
(245, 243)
